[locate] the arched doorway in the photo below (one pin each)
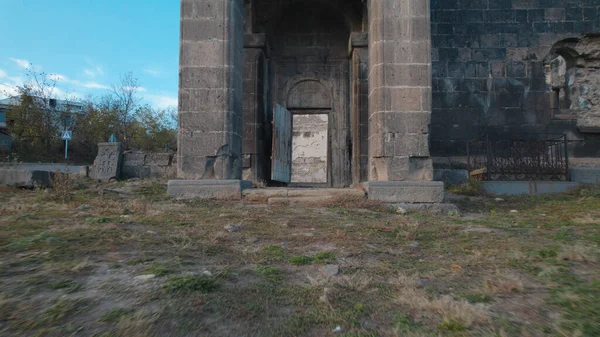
(309, 77)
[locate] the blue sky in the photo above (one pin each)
(89, 44)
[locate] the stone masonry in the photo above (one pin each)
(210, 89)
(365, 67)
(489, 70)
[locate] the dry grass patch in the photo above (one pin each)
(449, 310)
(579, 253)
(504, 282)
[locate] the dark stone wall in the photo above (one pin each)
(488, 72)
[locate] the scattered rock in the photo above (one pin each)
(285, 225)
(514, 211)
(133, 179)
(414, 244)
(499, 199)
(331, 269)
(84, 207)
(152, 233)
(144, 277)
(252, 239)
(231, 228)
(471, 229)
(422, 282)
(337, 329)
(326, 292)
(207, 273)
(401, 210)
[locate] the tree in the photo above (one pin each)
(33, 118)
(124, 100)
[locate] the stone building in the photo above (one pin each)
(335, 93)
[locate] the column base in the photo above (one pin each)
(409, 192)
(207, 189)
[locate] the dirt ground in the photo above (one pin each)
(122, 259)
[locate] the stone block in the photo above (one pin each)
(410, 192)
(134, 158)
(207, 189)
(25, 178)
(135, 171)
(437, 208)
(158, 159)
(107, 164)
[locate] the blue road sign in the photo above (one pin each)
(67, 135)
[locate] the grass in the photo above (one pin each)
(114, 315)
(67, 271)
(191, 283)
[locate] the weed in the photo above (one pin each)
(473, 188)
(269, 273)
(158, 269)
(62, 185)
(478, 298)
(300, 260)
(324, 257)
(98, 220)
(451, 326)
(155, 191)
(114, 315)
(191, 283)
(69, 286)
(273, 253)
(24, 243)
(61, 309)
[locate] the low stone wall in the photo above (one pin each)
(149, 165)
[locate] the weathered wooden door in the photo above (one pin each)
(282, 145)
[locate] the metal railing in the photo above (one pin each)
(523, 157)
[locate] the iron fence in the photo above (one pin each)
(522, 157)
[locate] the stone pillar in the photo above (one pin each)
(255, 109)
(359, 110)
(400, 101)
(210, 89)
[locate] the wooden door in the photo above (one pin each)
(282, 145)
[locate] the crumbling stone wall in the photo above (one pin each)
(573, 72)
(146, 165)
(488, 69)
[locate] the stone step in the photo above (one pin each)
(299, 195)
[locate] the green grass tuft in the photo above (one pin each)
(191, 283)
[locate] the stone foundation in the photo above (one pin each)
(411, 192)
(207, 189)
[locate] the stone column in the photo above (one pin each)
(255, 109)
(359, 110)
(400, 102)
(210, 89)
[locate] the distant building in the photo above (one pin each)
(62, 110)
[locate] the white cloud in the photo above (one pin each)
(93, 69)
(89, 73)
(8, 90)
(153, 72)
(21, 63)
(94, 85)
(3, 74)
(162, 101)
